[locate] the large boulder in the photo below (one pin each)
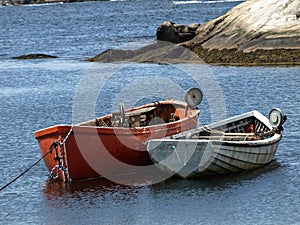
(176, 33)
(252, 25)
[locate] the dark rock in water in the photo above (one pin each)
(176, 33)
(160, 52)
(34, 56)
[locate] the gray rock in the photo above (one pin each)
(160, 52)
(252, 25)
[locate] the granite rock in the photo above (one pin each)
(252, 25)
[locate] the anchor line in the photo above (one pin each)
(54, 145)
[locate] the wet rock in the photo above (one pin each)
(34, 56)
(160, 52)
(113, 55)
(255, 58)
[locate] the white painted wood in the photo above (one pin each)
(187, 154)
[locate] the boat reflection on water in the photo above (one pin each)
(217, 182)
(58, 192)
(100, 201)
(94, 191)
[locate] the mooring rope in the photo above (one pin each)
(25, 171)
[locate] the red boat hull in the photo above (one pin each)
(91, 151)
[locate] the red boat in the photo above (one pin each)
(106, 145)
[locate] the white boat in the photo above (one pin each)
(239, 143)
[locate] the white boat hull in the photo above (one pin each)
(195, 158)
(188, 157)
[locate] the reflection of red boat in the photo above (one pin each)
(104, 145)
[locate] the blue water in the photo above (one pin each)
(38, 93)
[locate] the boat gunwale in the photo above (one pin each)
(65, 128)
(148, 105)
(143, 127)
(182, 137)
(253, 113)
(60, 129)
(251, 143)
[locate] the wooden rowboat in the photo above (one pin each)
(104, 144)
(235, 144)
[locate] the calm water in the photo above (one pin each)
(38, 93)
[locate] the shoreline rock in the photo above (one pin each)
(160, 52)
(255, 58)
(255, 32)
(252, 25)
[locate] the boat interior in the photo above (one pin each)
(249, 128)
(245, 125)
(140, 117)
